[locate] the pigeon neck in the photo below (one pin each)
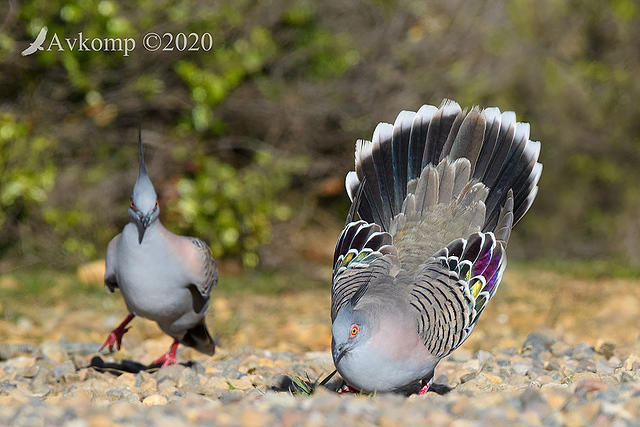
(154, 226)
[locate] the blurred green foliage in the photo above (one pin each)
(224, 73)
(27, 174)
(297, 79)
(234, 208)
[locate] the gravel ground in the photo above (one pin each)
(544, 382)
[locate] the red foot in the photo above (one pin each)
(348, 389)
(115, 337)
(425, 387)
(169, 358)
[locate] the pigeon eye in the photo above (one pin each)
(354, 330)
(155, 206)
(133, 206)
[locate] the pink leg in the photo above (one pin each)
(115, 337)
(169, 358)
(425, 387)
(348, 389)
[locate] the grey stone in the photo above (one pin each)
(441, 379)
(232, 374)
(559, 348)
(532, 400)
(552, 365)
(586, 365)
(171, 372)
(539, 341)
(483, 356)
(230, 396)
(43, 376)
(460, 355)
(520, 368)
(63, 369)
(582, 351)
(626, 377)
(198, 368)
(468, 377)
(188, 377)
(6, 387)
(603, 368)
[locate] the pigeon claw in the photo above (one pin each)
(166, 360)
(423, 390)
(348, 389)
(114, 339)
(169, 358)
(426, 385)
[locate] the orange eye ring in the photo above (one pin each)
(133, 206)
(155, 206)
(354, 330)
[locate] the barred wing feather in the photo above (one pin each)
(209, 277)
(363, 254)
(452, 289)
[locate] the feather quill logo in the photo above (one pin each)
(37, 43)
(80, 43)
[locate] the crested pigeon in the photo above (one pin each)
(162, 276)
(437, 193)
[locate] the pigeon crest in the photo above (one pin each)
(144, 195)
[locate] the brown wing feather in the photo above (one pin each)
(210, 270)
(110, 279)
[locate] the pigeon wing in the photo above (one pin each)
(364, 253)
(452, 289)
(208, 275)
(110, 277)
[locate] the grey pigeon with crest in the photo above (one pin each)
(162, 276)
(437, 193)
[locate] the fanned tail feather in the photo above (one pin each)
(418, 140)
(383, 164)
(481, 160)
(439, 131)
(400, 149)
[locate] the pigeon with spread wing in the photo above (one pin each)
(437, 194)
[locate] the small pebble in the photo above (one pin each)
(155, 399)
(543, 381)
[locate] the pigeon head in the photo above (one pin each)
(350, 331)
(369, 344)
(143, 205)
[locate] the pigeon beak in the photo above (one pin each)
(340, 356)
(142, 224)
(141, 229)
(341, 351)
